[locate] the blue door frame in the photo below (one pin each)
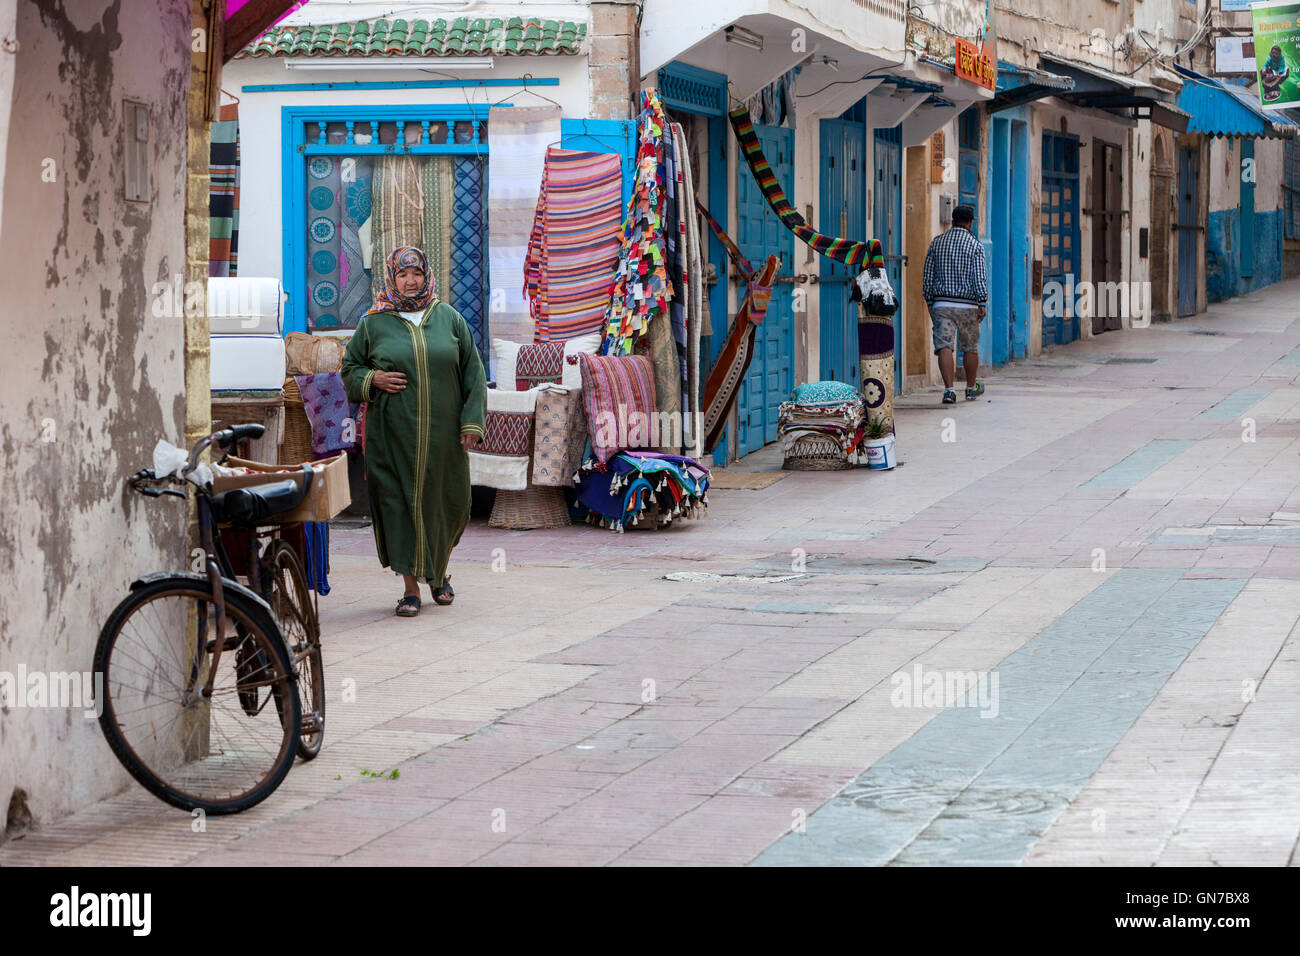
(887, 224)
(843, 194)
(1007, 330)
(760, 234)
(688, 89)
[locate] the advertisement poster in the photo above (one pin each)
(1277, 53)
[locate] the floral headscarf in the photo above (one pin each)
(390, 300)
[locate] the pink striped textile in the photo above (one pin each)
(618, 393)
(574, 245)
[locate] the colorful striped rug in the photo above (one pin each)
(842, 250)
(574, 245)
(223, 194)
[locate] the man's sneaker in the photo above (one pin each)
(949, 397)
(976, 392)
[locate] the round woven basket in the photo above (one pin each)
(815, 453)
(536, 507)
(296, 446)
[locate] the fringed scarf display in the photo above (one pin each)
(641, 286)
(842, 250)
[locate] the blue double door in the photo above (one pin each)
(843, 213)
(760, 234)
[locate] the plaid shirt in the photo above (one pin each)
(954, 269)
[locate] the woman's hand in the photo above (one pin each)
(468, 441)
(392, 382)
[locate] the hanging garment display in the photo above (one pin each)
(323, 183)
(223, 194)
(693, 278)
(574, 244)
(728, 371)
(398, 213)
(469, 224)
(354, 278)
(842, 250)
(437, 195)
(641, 287)
(520, 137)
(675, 247)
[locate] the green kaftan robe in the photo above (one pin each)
(417, 474)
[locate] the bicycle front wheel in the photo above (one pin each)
(220, 753)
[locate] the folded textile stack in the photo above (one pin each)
(822, 421)
(650, 485)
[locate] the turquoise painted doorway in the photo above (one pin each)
(887, 225)
(843, 213)
(760, 234)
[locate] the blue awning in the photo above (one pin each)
(1221, 109)
(1018, 85)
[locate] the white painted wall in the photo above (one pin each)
(260, 239)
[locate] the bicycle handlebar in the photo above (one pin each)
(223, 439)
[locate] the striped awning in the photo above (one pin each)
(1222, 109)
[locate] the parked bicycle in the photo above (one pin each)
(190, 660)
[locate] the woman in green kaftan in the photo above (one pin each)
(413, 360)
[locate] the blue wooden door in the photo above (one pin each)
(887, 216)
(1060, 230)
(1188, 190)
(1247, 209)
(843, 213)
(771, 373)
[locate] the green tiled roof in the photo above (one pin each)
(460, 37)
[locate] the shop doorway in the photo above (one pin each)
(1060, 231)
(1162, 188)
(843, 213)
(1188, 190)
(1008, 227)
(1107, 215)
(760, 234)
(887, 224)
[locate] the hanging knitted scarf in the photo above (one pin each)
(641, 285)
(843, 250)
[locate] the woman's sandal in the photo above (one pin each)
(443, 594)
(409, 606)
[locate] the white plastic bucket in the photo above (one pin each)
(880, 452)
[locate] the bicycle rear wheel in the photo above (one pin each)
(291, 600)
(220, 754)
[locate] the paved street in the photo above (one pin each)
(1109, 541)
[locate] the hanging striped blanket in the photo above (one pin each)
(223, 194)
(843, 250)
(574, 244)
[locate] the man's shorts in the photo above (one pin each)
(954, 327)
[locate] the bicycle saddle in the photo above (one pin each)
(253, 505)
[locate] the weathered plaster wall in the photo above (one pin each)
(92, 376)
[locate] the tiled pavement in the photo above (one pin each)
(1106, 545)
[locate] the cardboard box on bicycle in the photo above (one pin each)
(329, 489)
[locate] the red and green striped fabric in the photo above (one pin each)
(847, 251)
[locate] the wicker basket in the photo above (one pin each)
(535, 507)
(816, 453)
(296, 446)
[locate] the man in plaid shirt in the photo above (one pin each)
(955, 287)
